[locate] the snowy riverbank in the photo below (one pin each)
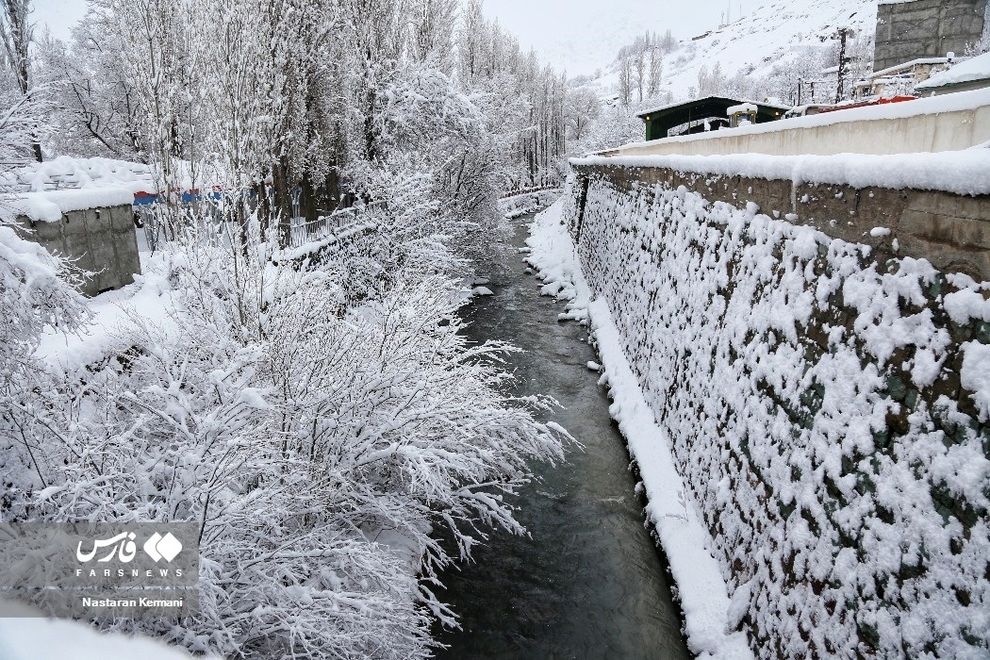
(701, 588)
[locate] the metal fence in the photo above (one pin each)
(512, 192)
(302, 232)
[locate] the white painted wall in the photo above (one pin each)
(950, 122)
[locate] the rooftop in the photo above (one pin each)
(973, 69)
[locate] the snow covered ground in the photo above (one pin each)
(113, 320)
(34, 637)
(702, 591)
(527, 202)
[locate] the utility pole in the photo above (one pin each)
(842, 35)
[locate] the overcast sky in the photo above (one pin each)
(577, 36)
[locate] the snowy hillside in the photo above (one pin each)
(773, 34)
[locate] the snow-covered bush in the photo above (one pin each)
(323, 422)
(37, 291)
(319, 448)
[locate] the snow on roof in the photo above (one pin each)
(44, 191)
(742, 107)
(918, 61)
(703, 98)
(66, 172)
(973, 69)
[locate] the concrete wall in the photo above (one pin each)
(945, 131)
(100, 241)
(812, 386)
(926, 28)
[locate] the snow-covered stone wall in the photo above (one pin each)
(828, 407)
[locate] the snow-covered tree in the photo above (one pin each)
(582, 109)
(320, 421)
(37, 291)
(16, 35)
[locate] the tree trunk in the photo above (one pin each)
(282, 201)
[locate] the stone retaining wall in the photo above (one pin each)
(951, 231)
(825, 394)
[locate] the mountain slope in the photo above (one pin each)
(780, 38)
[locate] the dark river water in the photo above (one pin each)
(589, 581)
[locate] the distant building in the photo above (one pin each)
(974, 73)
(707, 114)
(901, 78)
(916, 29)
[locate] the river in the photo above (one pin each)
(589, 581)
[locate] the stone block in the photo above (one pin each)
(92, 219)
(44, 232)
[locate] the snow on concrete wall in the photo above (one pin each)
(101, 241)
(828, 411)
(915, 129)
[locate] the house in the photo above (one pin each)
(974, 73)
(706, 114)
(902, 78)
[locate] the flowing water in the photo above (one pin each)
(589, 581)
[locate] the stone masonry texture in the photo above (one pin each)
(811, 380)
(926, 28)
(102, 242)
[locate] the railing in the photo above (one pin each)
(512, 192)
(302, 232)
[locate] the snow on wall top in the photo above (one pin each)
(742, 107)
(961, 172)
(44, 191)
(975, 68)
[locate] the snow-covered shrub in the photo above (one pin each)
(318, 447)
(37, 290)
(826, 411)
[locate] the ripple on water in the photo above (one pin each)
(588, 581)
